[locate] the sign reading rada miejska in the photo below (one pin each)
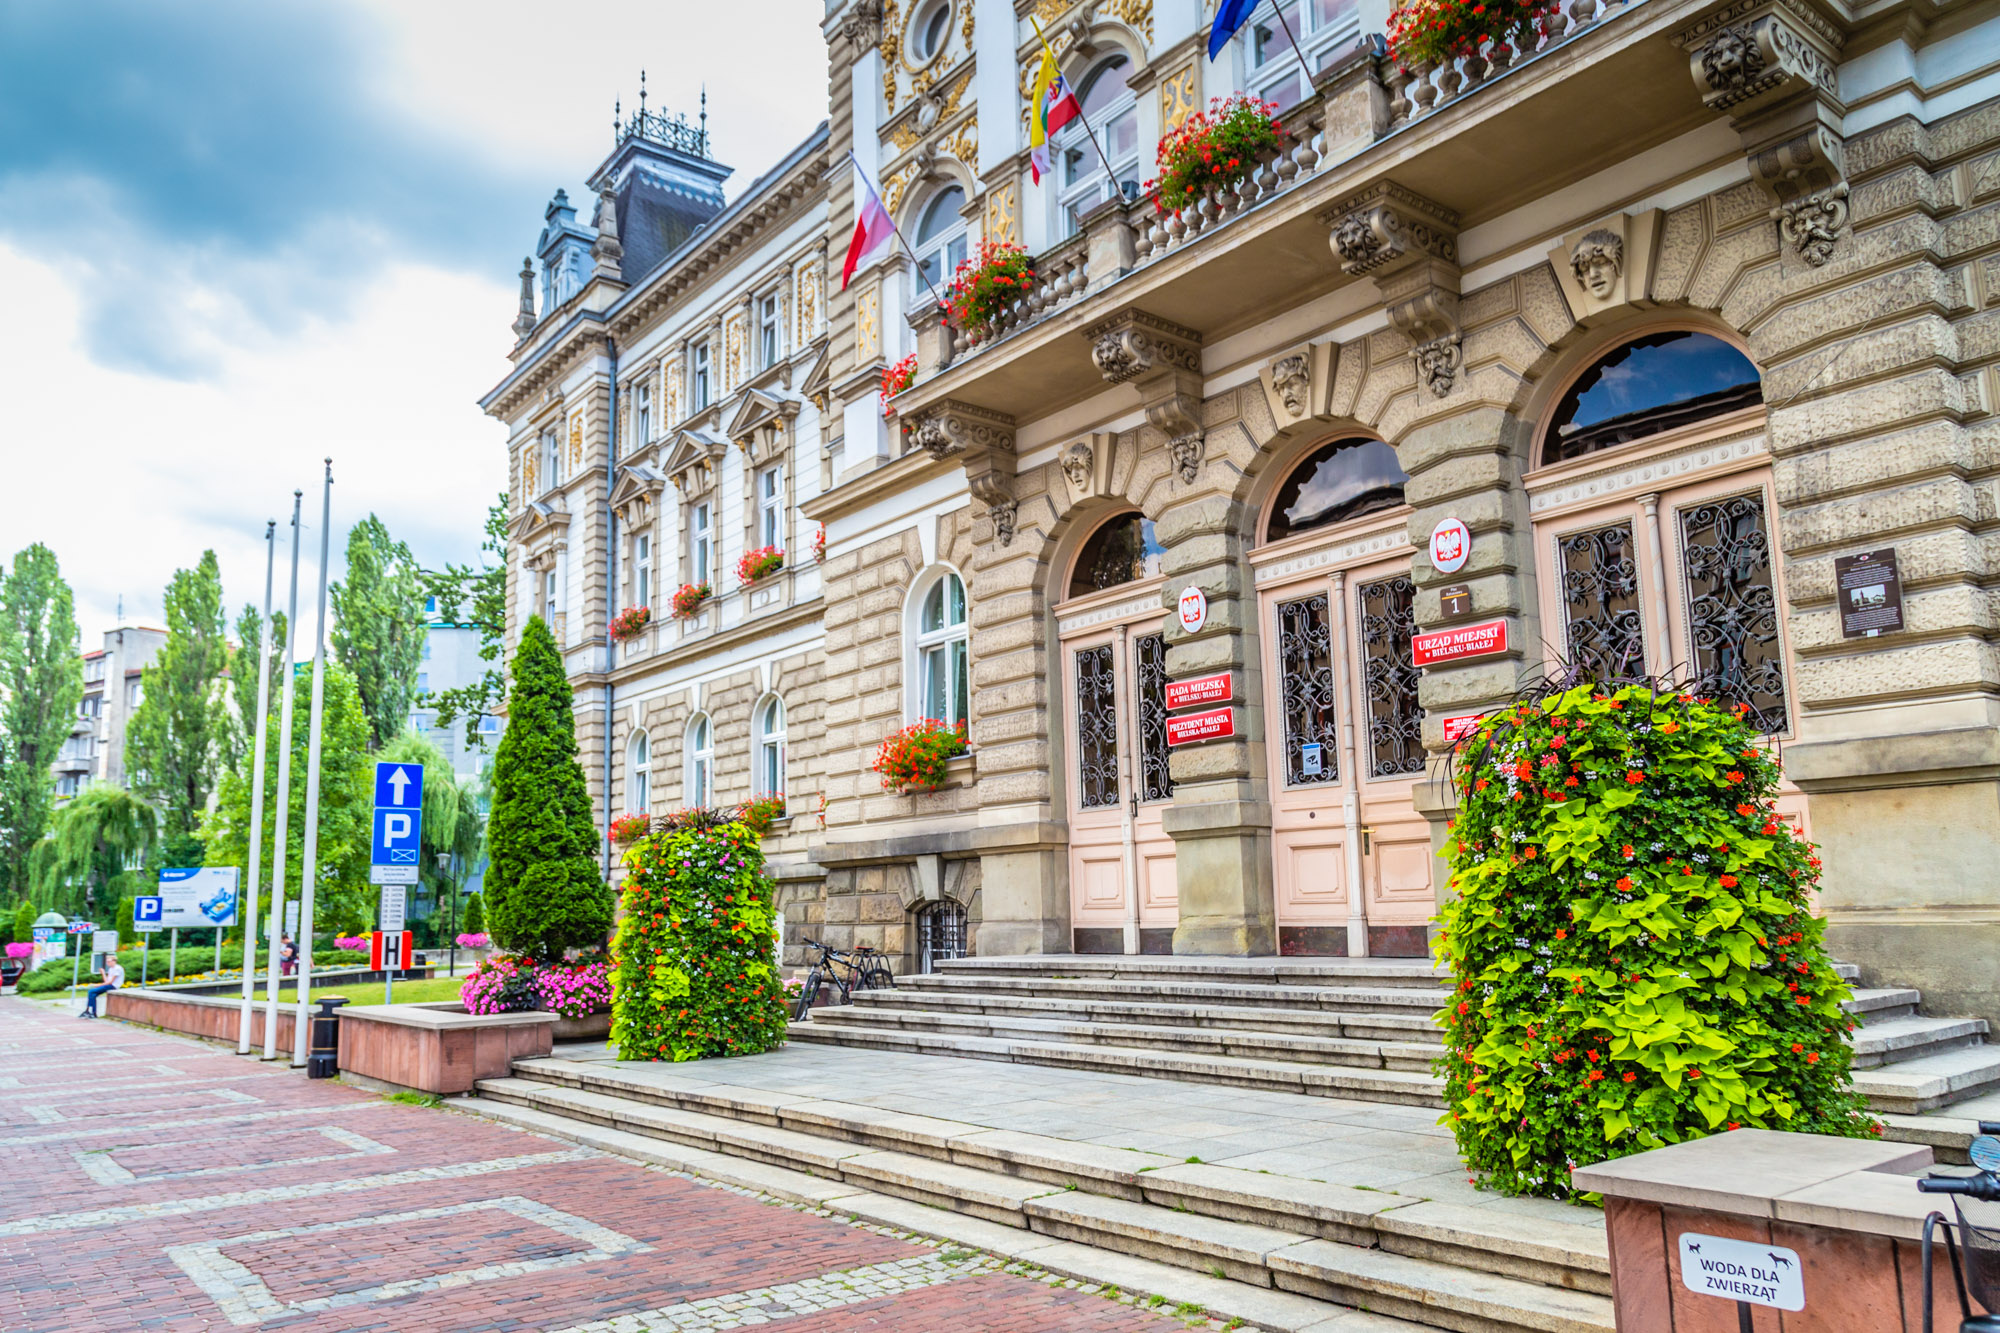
(1214, 689)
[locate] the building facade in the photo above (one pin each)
(95, 749)
(1674, 328)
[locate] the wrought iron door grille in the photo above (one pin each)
(1305, 672)
(1096, 728)
(1604, 633)
(940, 933)
(1732, 607)
(1395, 722)
(1156, 783)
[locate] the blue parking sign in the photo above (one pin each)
(399, 786)
(398, 834)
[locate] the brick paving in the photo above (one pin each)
(156, 1183)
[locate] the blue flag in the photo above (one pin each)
(1230, 15)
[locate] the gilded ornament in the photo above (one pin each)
(576, 439)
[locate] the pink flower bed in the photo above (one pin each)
(358, 942)
(479, 941)
(20, 950)
(509, 985)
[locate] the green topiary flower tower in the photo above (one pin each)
(1636, 957)
(696, 968)
(543, 893)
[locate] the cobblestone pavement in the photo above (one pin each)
(157, 1183)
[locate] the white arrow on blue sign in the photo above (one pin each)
(399, 786)
(399, 823)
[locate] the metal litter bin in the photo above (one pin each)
(323, 1056)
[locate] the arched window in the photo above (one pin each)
(940, 933)
(937, 642)
(940, 243)
(1111, 111)
(930, 31)
(1325, 28)
(1336, 482)
(639, 767)
(699, 778)
(770, 749)
(1649, 385)
(1124, 550)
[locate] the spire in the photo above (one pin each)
(607, 251)
(524, 323)
(642, 96)
(704, 118)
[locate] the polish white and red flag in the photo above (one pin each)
(873, 227)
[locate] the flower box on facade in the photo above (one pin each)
(630, 623)
(690, 599)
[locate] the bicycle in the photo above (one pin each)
(1981, 1269)
(862, 968)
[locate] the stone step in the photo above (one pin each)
(1228, 1041)
(1911, 1087)
(1177, 1221)
(1873, 1005)
(1896, 1041)
(1538, 1244)
(1847, 971)
(1366, 972)
(1407, 1000)
(1407, 1027)
(1408, 1087)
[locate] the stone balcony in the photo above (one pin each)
(1382, 172)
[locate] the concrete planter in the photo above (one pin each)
(591, 1027)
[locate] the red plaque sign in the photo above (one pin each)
(1452, 645)
(1215, 689)
(1189, 728)
(1457, 727)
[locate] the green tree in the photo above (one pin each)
(182, 734)
(475, 914)
(243, 675)
(342, 901)
(90, 842)
(544, 893)
(378, 632)
(475, 597)
(24, 921)
(41, 683)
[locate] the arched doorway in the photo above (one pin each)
(1351, 857)
(1112, 654)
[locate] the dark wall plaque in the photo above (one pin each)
(1870, 593)
(1455, 600)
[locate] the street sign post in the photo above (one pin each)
(399, 824)
(392, 910)
(148, 913)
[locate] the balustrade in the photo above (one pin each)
(1422, 89)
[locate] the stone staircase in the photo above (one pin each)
(1334, 1027)
(1276, 1251)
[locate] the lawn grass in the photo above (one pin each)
(407, 992)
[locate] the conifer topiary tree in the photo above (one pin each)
(544, 895)
(1632, 939)
(475, 914)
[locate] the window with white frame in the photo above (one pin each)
(940, 244)
(938, 646)
(642, 416)
(700, 775)
(767, 331)
(642, 569)
(1112, 113)
(770, 757)
(639, 767)
(698, 376)
(552, 458)
(701, 543)
(1323, 28)
(771, 507)
(549, 598)
(931, 30)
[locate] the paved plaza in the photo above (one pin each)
(159, 1183)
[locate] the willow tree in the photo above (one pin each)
(90, 843)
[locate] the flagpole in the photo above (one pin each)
(896, 230)
(249, 917)
(1090, 133)
(278, 839)
(309, 864)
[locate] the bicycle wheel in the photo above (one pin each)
(807, 995)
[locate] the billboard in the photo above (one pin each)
(203, 898)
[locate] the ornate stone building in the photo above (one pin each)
(664, 418)
(1678, 314)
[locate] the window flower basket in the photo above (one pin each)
(631, 622)
(629, 828)
(986, 285)
(688, 600)
(913, 758)
(759, 564)
(1427, 33)
(819, 545)
(895, 379)
(759, 811)
(1215, 149)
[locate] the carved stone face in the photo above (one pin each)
(1597, 261)
(1813, 224)
(1438, 362)
(1355, 240)
(1076, 465)
(1294, 383)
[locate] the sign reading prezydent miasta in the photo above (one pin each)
(1219, 688)
(1453, 645)
(1190, 728)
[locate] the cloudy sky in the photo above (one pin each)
(237, 237)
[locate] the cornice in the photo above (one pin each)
(896, 475)
(757, 627)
